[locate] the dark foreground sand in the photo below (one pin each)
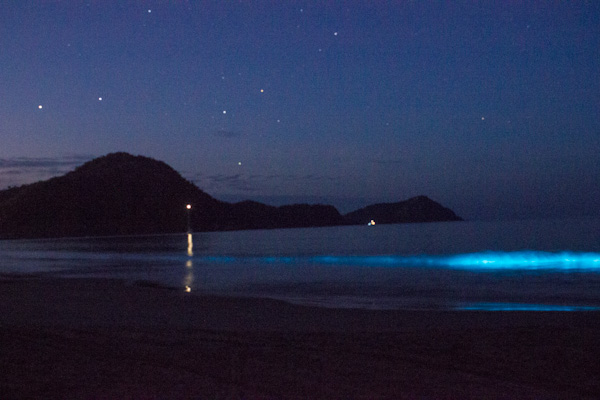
(101, 339)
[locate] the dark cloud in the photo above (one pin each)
(44, 162)
(388, 161)
(23, 170)
(11, 171)
(251, 183)
(237, 182)
(226, 134)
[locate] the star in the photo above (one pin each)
(262, 90)
(224, 111)
(40, 107)
(99, 98)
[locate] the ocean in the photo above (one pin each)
(509, 265)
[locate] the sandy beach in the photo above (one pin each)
(106, 339)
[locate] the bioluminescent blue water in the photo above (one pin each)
(525, 261)
(524, 307)
(482, 262)
(522, 265)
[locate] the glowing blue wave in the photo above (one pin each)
(524, 307)
(526, 261)
(485, 261)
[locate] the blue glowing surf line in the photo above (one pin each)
(526, 261)
(483, 261)
(524, 307)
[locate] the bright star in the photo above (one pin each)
(40, 106)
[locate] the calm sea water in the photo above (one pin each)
(518, 265)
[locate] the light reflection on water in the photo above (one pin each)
(190, 245)
(188, 279)
(466, 266)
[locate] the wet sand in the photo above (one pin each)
(105, 339)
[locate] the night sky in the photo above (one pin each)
(490, 108)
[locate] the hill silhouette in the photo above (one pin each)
(122, 194)
(415, 209)
(116, 194)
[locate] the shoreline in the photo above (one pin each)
(101, 338)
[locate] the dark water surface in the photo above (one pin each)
(521, 265)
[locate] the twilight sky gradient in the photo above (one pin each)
(491, 108)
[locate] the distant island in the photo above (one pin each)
(122, 194)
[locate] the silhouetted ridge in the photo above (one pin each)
(112, 195)
(121, 194)
(415, 209)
